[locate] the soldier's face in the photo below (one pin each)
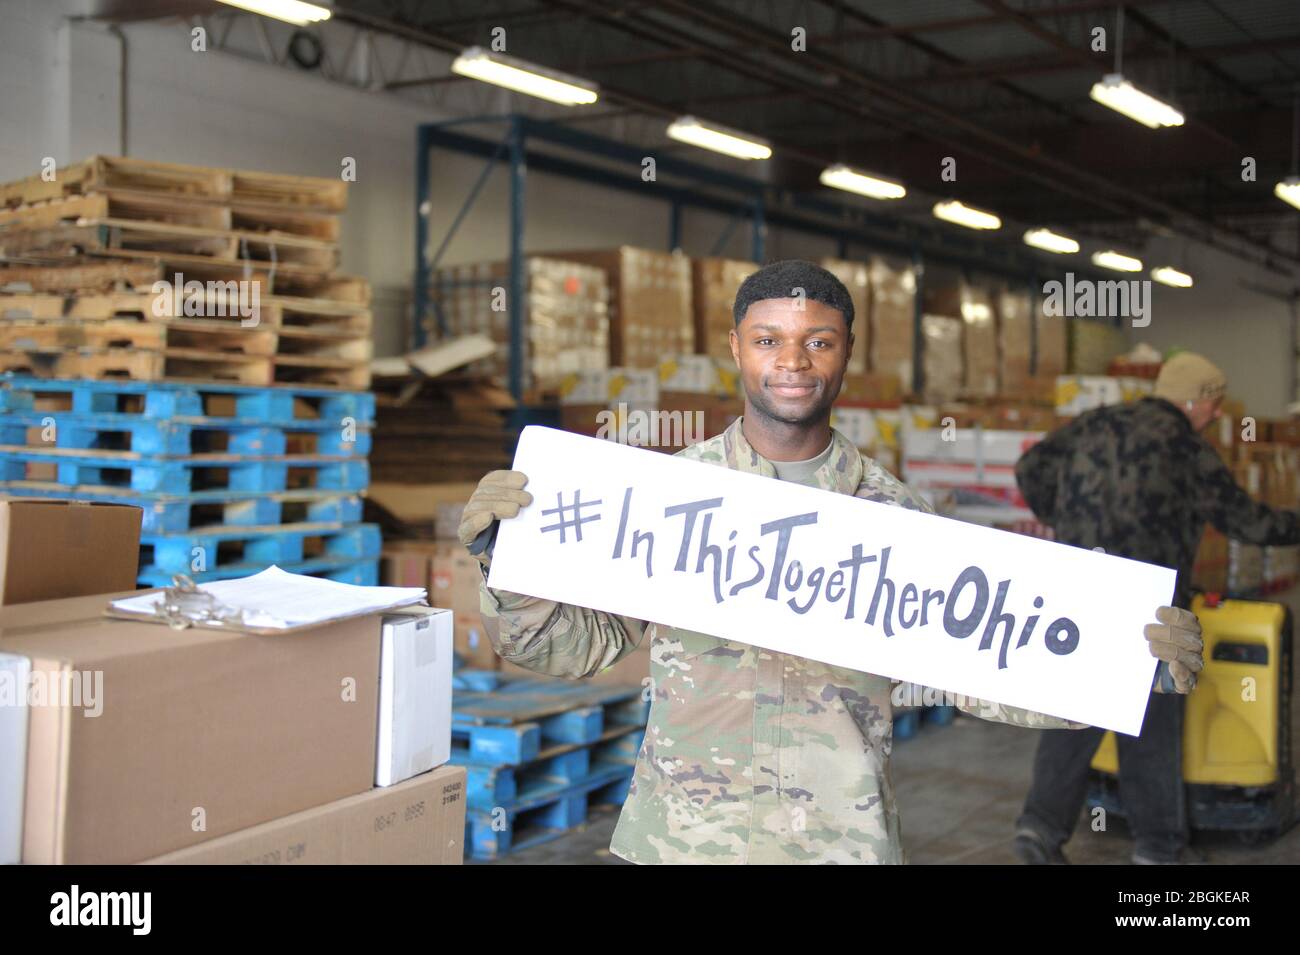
(792, 354)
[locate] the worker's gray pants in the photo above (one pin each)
(1150, 781)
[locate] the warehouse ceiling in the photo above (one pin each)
(894, 86)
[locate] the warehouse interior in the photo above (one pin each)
(444, 261)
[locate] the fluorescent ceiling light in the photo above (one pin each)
(524, 77)
(1123, 97)
(1288, 190)
(841, 176)
(1110, 259)
(291, 11)
(1171, 276)
(953, 211)
(688, 129)
(1049, 241)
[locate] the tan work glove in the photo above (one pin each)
(499, 495)
(1176, 640)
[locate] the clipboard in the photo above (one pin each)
(185, 605)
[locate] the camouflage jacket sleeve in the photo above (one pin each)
(1015, 715)
(554, 638)
(1223, 503)
(1038, 473)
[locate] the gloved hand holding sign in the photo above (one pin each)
(1175, 639)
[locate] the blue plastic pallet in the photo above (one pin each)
(218, 548)
(534, 819)
(178, 436)
(165, 514)
(278, 405)
(231, 472)
(553, 770)
(513, 744)
(907, 723)
(364, 573)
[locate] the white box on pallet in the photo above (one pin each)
(414, 693)
(15, 671)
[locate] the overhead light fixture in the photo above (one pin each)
(524, 77)
(954, 212)
(1288, 190)
(1123, 97)
(1168, 275)
(1110, 259)
(688, 129)
(1049, 241)
(841, 176)
(290, 11)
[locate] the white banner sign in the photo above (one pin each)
(867, 586)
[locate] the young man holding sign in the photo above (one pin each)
(755, 756)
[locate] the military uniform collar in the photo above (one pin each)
(841, 472)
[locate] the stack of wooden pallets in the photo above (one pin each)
(121, 268)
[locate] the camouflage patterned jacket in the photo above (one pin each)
(750, 756)
(1137, 481)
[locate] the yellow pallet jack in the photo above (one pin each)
(1237, 733)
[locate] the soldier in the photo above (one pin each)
(753, 756)
(1136, 480)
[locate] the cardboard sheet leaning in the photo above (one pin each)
(866, 586)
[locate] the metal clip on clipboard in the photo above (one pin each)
(183, 605)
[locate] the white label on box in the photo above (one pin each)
(414, 695)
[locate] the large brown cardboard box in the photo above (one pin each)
(650, 312)
(198, 733)
(893, 316)
(417, 822)
(56, 549)
(714, 284)
(856, 278)
(1014, 315)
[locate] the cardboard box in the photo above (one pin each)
(417, 822)
(566, 322)
(1015, 337)
(154, 732)
(979, 342)
(650, 311)
(414, 693)
(66, 549)
(1051, 345)
(714, 284)
(418, 503)
(1076, 394)
(14, 671)
(943, 357)
(893, 317)
(856, 277)
(454, 583)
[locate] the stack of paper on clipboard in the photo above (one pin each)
(276, 600)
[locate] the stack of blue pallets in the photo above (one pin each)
(539, 754)
(231, 478)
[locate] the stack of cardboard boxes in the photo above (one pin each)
(566, 318)
(714, 283)
(132, 741)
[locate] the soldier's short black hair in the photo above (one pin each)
(781, 279)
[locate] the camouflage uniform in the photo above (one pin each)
(750, 756)
(1137, 481)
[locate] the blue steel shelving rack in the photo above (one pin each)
(681, 183)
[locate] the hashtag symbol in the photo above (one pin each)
(575, 520)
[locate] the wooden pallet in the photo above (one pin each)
(181, 181)
(87, 276)
(298, 342)
(161, 238)
(333, 373)
(183, 333)
(139, 306)
(171, 364)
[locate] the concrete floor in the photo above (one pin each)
(960, 788)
